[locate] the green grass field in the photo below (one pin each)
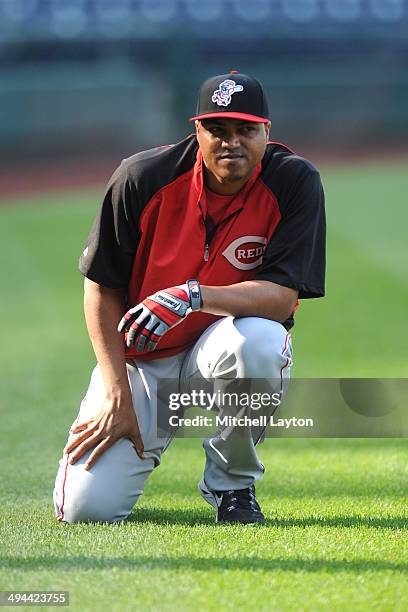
(336, 536)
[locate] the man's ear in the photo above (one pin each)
(267, 129)
(197, 125)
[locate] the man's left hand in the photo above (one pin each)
(147, 322)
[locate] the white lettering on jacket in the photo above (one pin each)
(245, 253)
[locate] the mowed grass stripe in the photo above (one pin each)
(347, 534)
(367, 205)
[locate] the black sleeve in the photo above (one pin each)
(110, 250)
(296, 254)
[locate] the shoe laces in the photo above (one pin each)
(243, 499)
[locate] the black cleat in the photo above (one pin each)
(239, 506)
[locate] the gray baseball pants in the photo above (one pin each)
(228, 350)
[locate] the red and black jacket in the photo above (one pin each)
(152, 232)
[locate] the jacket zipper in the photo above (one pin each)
(206, 244)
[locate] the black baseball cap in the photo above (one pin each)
(233, 95)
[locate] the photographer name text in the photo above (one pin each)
(235, 421)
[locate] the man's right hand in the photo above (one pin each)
(115, 420)
(147, 322)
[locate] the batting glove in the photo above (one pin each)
(147, 322)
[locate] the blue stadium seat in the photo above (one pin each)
(114, 19)
(18, 11)
(346, 10)
(388, 10)
(158, 11)
(256, 10)
(69, 19)
(205, 11)
(301, 11)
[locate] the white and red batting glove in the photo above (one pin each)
(147, 322)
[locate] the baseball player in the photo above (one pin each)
(193, 270)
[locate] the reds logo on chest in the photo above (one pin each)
(246, 252)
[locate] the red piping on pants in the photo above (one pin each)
(60, 517)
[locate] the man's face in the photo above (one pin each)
(231, 150)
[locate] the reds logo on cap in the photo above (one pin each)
(222, 95)
(246, 253)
